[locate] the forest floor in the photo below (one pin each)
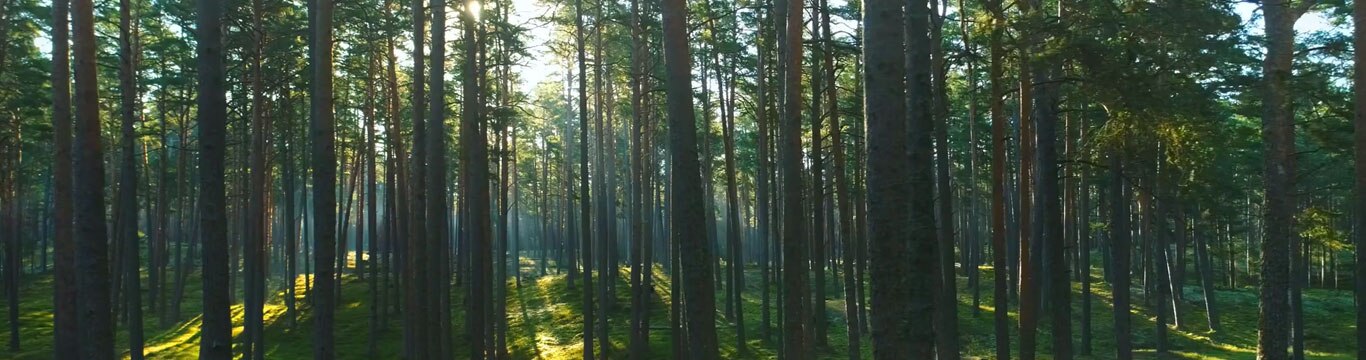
(545, 323)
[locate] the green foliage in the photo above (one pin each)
(1318, 227)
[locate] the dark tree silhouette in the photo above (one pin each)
(322, 136)
(795, 289)
(687, 221)
(1359, 185)
(66, 334)
(888, 196)
(216, 332)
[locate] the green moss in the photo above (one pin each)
(545, 323)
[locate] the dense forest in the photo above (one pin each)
(673, 179)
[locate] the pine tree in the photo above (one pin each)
(127, 214)
(888, 202)
(216, 332)
(322, 134)
(795, 290)
(66, 333)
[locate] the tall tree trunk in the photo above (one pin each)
(185, 230)
(1151, 227)
(733, 227)
(12, 216)
(818, 211)
(708, 172)
(946, 279)
(897, 272)
(973, 233)
(1205, 261)
(127, 227)
(255, 239)
(1028, 246)
(570, 254)
(372, 202)
(346, 199)
(921, 262)
(291, 221)
(161, 240)
(323, 135)
(1278, 134)
(640, 270)
(780, 19)
(215, 340)
(437, 224)
(795, 289)
(850, 243)
(1000, 140)
(585, 202)
(763, 165)
(1049, 235)
(473, 138)
(515, 266)
(397, 188)
(1084, 255)
(66, 333)
(605, 221)
(92, 237)
(687, 205)
(1119, 244)
(1359, 183)
(416, 303)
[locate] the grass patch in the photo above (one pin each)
(544, 323)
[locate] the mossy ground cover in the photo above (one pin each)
(545, 323)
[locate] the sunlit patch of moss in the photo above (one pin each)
(545, 323)
(1329, 312)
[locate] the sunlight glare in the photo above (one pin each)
(475, 9)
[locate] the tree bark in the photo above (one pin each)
(922, 263)
(255, 239)
(437, 223)
(604, 219)
(216, 330)
(1050, 234)
(1359, 183)
(1278, 134)
(685, 198)
(946, 279)
(1205, 261)
(850, 243)
(819, 324)
(640, 270)
(323, 135)
(585, 202)
(417, 306)
(291, 222)
(795, 290)
(127, 227)
(372, 201)
(1000, 140)
(763, 166)
(161, 235)
(1119, 245)
(1028, 247)
(66, 332)
(733, 225)
(896, 271)
(1084, 254)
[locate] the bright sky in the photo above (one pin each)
(1309, 23)
(538, 66)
